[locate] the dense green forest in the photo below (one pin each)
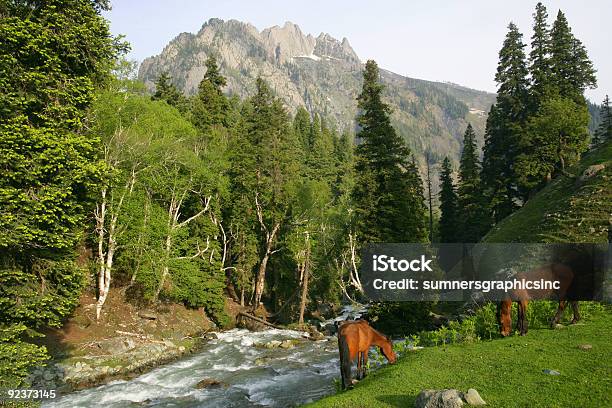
(193, 199)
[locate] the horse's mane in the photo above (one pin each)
(384, 336)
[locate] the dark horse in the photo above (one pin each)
(552, 272)
(573, 268)
(355, 337)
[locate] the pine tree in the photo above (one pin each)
(344, 154)
(388, 194)
(320, 162)
(504, 129)
(539, 58)
(572, 71)
(265, 165)
(511, 76)
(301, 127)
(166, 91)
(604, 131)
(555, 134)
(449, 223)
(210, 106)
(472, 209)
(315, 130)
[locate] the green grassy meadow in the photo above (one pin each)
(507, 372)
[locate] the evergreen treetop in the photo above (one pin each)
(539, 57)
(511, 76)
(210, 106)
(572, 71)
(604, 131)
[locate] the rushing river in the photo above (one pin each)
(252, 376)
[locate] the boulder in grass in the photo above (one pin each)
(439, 399)
(588, 173)
(473, 398)
(449, 398)
(585, 347)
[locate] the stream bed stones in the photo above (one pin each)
(121, 356)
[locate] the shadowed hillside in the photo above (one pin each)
(570, 209)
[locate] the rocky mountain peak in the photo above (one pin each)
(328, 46)
(287, 42)
(320, 73)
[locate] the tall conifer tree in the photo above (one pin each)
(301, 127)
(504, 128)
(166, 91)
(572, 71)
(388, 192)
(539, 58)
(264, 169)
(472, 207)
(449, 223)
(210, 106)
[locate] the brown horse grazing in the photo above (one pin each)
(355, 337)
(555, 271)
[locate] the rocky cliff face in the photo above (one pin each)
(324, 75)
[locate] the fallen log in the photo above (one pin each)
(257, 319)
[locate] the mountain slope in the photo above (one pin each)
(567, 210)
(322, 74)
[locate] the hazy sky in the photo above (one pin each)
(456, 41)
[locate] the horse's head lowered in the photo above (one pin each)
(387, 350)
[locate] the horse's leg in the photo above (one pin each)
(504, 309)
(559, 313)
(359, 365)
(519, 318)
(576, 311)
(365, 364)
(522, 317)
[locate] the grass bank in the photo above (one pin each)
(506, 372)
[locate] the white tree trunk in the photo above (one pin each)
(261, 273)
(106, 259)
(100, 215)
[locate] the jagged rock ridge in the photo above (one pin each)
(324, 75)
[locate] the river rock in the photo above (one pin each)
(209, 383)
(314, 334)
(272, 344)
(439, 399)
(260, 361)
(287, 344)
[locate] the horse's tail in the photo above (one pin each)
(345, 361)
